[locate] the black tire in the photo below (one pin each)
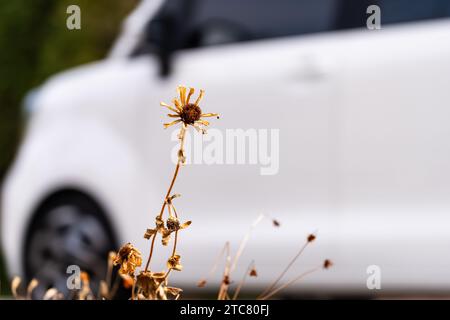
(69, 228)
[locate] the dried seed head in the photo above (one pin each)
(226, 280)
(173, 224)
(253, 272)
(311, 238)
(275, 223)
(190, 113)
(327, 264)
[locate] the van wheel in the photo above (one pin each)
(68, 229)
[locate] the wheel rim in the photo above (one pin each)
(66, 235)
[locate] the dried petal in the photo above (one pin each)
(159, 223)
(165, 237)
(174, 263)
(149, 233)
(185, 225)
(200, 97)
(191, 92)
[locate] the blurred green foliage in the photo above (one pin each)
(35, 43)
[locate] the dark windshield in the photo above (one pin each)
(181, 24)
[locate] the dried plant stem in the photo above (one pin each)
(244, 241)
(275, 282)
(133, 289)
(174, 178)
(223, 292)
(213, 269)
(270, 294)
(241, 284)
(175, 241)
(226, 277)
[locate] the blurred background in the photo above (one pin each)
(37, 47)
(361, 106)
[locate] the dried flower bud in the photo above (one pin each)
(173, 224)
(327, 264)
(226, 280)
(253, 272)
(174, 263)
(275, 223)
(311, 238)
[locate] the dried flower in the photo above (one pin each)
(174, 263)
(172, 225)
(327, 264)
(129, 259)
(149, 284)
(186, 112)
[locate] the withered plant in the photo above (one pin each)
(154, 285)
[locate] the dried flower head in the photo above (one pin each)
(129, 258)
(172, 225)
(327, 264)
(311, 238)
(253, 272)
(174, 263)
(186, 112)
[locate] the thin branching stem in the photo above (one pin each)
(169, 191)
(241, 283)
(270, 294)
(277, 280)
